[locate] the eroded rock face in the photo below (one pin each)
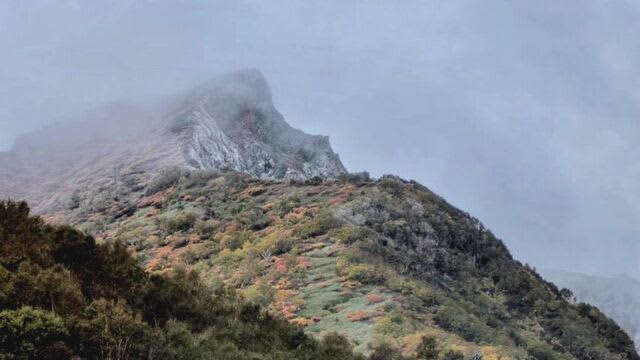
(231, 122)
(226, 123)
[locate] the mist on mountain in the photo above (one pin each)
(523, 114)
(180, 134)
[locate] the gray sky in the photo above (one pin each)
(524, 113)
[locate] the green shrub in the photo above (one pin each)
(179, 222)
(349, 234)
(253, 219)
(452, 355)
(365, 273)
(541, 351)
(393, 324)
(246, 272)
(286, 204)
(275, 244)
(206, 228)
(235, 240)
(358, 179)
(164, 180)
(467, 326)
(199, 252)
(392, 184)
(319, 225)
(198, 178)
(260, 293)
(29, 333)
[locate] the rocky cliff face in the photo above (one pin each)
(229, 122)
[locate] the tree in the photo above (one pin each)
(567, 294)
(113, 331)
(32, 334)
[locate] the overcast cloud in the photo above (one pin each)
(523, 113)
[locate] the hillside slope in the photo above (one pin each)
(62, 296)
(617, 296)
(383, 261)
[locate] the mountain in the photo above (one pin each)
(617, 296)
(228, 122)
(216, 183)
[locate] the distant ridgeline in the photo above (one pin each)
(237, 222)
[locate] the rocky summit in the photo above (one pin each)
(227, 123)
(231, 122)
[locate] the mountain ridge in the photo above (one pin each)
(216, 182)
(227, 122)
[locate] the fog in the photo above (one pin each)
(525, 114)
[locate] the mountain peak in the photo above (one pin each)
(231, 122)
(249, 84)
(228, 122)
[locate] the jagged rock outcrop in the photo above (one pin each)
(228, 122)
(231, 122)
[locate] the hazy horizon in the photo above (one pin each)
(523, 114)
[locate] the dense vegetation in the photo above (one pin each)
(63, 295)
(386, 263)
(617, 296)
